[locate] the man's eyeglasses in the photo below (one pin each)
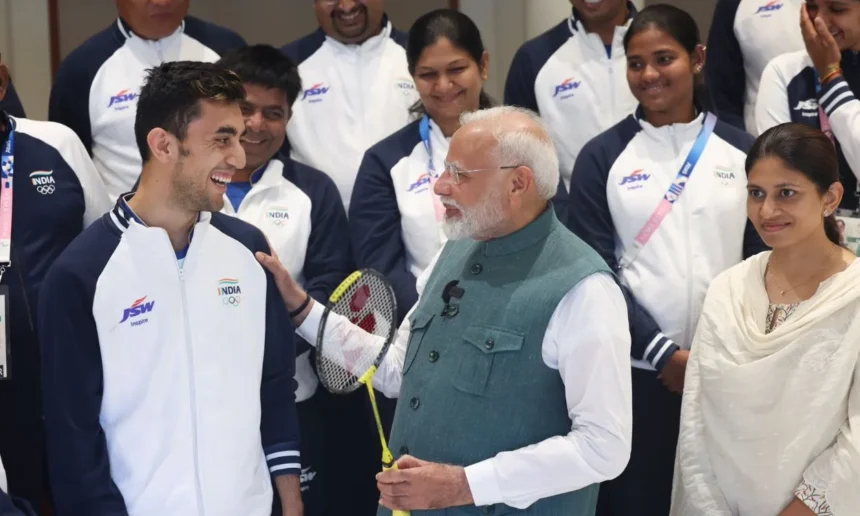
(458, 173)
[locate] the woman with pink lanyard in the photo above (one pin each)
(394, 214)
(815, 86)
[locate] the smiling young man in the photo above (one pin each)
(97, 89)
(168, 356)
(299, 210)
(358, 89)
(574, 76)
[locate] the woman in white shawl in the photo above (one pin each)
(770, 421)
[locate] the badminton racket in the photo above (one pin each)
(348, 355)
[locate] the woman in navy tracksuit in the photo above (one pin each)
(620, 182)
(816, 86)
(392, 219)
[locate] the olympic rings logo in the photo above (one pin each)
(231, 300)
(45, 189)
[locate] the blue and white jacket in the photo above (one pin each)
(618, 181)
(354, 96)
(788, 94)
(97, 86)
(577, 84)
(168, 385)
(392, 221)
(745, 36)
(57, 193)
(299, 210)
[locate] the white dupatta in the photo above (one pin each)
(764, 414)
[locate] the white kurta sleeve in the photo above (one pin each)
(342, 334)
(772, 107)
(695, 489)
(831, 484)
(588, 342)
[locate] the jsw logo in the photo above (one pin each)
(770, 7)
(121, 97)
(316, 90)
(806, 105)
(137, 308)
(636, 177)
(567, 85)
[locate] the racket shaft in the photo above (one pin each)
(387, 458)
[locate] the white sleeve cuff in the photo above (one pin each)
(483, 483)
(309, 328)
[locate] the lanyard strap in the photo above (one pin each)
(823, 119)
(424, 132)
(7, 164)
(673, 193)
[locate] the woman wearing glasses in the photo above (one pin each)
(661, 197)
(394, 214)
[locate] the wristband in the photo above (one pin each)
(830, 76)
(301, 307)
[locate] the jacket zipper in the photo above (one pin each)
(192, 390)
(687, 256)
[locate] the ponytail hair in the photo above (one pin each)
(680, 26)
(807, 151)
(457, 28)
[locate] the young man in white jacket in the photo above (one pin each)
(299, 210)
(168, 357)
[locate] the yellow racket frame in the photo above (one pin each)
(367, 379)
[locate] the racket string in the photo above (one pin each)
(355, 342)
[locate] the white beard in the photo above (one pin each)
(475, 222)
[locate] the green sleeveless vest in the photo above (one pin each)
(474, 380)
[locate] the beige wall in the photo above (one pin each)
(701, 10)
(276, 22)
(25, 44)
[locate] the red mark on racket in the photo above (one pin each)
(359, 298)
(367, 324)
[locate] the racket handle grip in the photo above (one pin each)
(396, 513)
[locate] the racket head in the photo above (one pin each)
(367, 299)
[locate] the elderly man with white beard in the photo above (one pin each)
(515, 398)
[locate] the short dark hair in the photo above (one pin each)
(171, 94)
(454, 26)
(265, 65)
(806, 150)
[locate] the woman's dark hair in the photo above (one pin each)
(454, 26)
(681, 27)
(806, 150)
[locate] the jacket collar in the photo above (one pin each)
(682, 131)
(371, 44)
(125, 30)
(531, 234)
(575, 23)
(123, 216)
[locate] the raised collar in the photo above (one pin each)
(369, 45)
(531, 234)
(575, 25)
(122, 215)
(125, 30)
